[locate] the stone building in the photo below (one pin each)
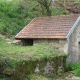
(62, 32)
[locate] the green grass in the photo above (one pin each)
(10, 55)
(2, 79)
(36, 77)
(5, 78)
(74, 67)
(21, 53)
(59, 11)
(31, 77)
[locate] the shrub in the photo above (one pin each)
(75, 67)
(13, 18)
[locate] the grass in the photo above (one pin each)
(21, 53)
(75, 67)
(31, 77)
(59, 11)
(2, 79)
(16, 54)
(37, 77)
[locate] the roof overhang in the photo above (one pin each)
(23, 29)
(66, 36)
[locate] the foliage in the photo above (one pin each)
(45, 6)
(15, 15)
(9, 16)
(78, 2)
(75, 67)
(2, 79)
(69, 5)
(59, 11)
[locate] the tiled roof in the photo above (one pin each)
(48, 27)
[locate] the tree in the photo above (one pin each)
(70, 5)
(46, 6)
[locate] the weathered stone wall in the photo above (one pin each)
(47, 67)
(59, 44)
(74, 43)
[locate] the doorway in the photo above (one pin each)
(27, 42)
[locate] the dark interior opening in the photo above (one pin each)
(79, 51)
(27, 42)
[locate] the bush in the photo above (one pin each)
(13, 18)
(74, 67)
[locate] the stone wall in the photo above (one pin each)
(59, 44)
(46, 67)
(49, 67)
(74, 45)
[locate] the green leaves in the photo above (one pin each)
(75, 67)
(45, 6)
(11, 17)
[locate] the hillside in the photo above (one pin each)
(73, 6)
(22, 60)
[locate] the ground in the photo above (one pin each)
(14, 53)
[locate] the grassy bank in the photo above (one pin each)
(11, 57)
(75, 67)
(37, 77)
(31, 77)
(21, 53)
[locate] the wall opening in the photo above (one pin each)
(79, 51)
(27, 42)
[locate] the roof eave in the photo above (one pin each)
(24, 28)
(40, 38)
(73, 27)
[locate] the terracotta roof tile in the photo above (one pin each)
(48, 27)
